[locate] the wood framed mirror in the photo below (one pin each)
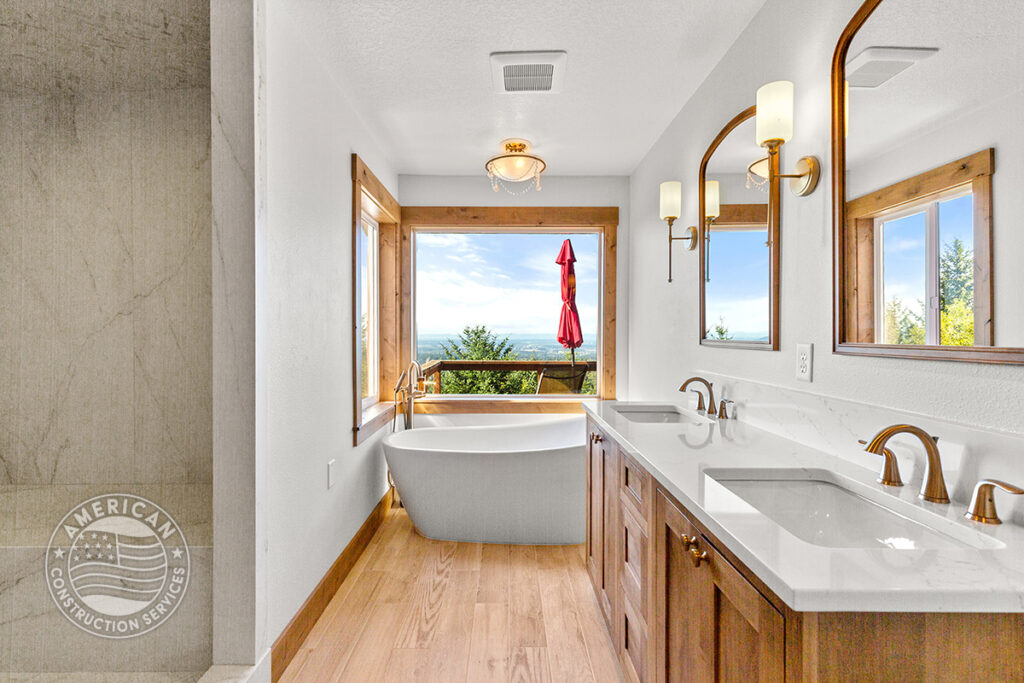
(739, 240)
(926, 98)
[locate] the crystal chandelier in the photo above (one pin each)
(514, 169)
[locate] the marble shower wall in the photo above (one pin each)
(105, 308)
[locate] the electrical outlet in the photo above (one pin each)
(330, 473)
(804, 362)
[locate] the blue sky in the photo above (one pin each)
(508, 282)
(738, 290)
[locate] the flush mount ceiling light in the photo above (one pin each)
(515, 168)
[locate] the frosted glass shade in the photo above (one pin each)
(671, 204)
(712, 202)
(774, 112)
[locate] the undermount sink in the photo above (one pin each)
(657, 413)
(826, 509)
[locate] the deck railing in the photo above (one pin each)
(432, 369)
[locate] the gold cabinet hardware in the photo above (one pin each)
(689, 541)
(890, 472)
(698, 556)
(983, 502)
(596, 438)
(934, 487)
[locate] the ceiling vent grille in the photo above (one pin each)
(877, 65)
(528, 77)
(528, 72)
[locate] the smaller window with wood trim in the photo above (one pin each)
(917, 260)
(368, 313)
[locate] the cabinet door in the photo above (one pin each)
(595, 510)
(749, 632)
(684, 645)
(712, 625)
(612, 535)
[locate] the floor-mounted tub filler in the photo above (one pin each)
(512, 483)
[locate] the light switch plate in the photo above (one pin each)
(804, 362)
(330, 473)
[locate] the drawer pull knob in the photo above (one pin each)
(688, 541)
(597, 438)
(697, 556)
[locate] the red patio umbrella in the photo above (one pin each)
(569, 333)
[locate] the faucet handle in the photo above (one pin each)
(724, 407)
(700, 399)
(889, 475)
(983, 502)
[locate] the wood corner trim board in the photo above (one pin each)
(288, 643)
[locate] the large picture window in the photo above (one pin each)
(487, 311)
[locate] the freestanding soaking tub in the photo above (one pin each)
(511, 483)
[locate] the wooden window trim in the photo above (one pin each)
(369, 196)
(859, 281)
(602, 219)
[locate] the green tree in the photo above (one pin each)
(956, 278)
(903, 325)
(956, 275)
(957, 325)
(478, 343)
(719, 331)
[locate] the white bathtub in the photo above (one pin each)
(507, 483)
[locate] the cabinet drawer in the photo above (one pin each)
(636, 483)
(634, 644)
(634, 557)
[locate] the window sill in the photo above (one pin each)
(372, 419)
(439, 404)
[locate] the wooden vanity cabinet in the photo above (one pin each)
(673, 620)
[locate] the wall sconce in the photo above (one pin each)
(670, 206)
(712, 210)
(774, 128)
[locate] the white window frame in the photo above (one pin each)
(930, 207)
(369, 236)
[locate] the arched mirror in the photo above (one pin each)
(739, 241)
(927, 155)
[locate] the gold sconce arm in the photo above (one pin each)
(983, 502)
(691, 235)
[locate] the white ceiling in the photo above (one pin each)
(980, 59)
(421, 74)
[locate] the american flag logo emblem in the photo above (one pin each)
(117, 566)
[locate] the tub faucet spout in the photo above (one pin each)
(412, 391)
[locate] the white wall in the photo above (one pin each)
(424, 190)
(312, 130)
(792, 40)
(993, 124)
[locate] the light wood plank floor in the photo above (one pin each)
(413, 609)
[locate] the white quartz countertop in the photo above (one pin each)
(810, 577)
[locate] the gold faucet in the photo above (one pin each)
(934, 487)
(412, 391)
(983, 502)
(700, 396)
